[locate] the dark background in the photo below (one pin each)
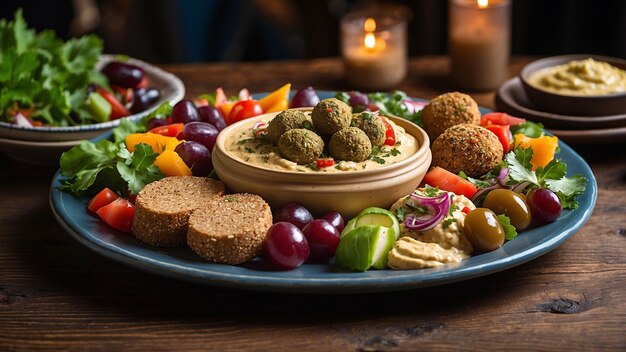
(168, 31)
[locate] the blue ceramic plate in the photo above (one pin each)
(182, 263)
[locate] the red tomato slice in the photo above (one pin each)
(447, 181)
(503, 132)
(118, 214)
(169, 130)
(106, 196)
(500, 118)
(390, 134)
(243, 110)
(125, 93)
(325, 162)
(117, 109)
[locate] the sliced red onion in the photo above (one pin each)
(259, 124)
(503, 177)
(486, 190)
(439, 206)
(413, 106)
(21, 120)
(519, 188)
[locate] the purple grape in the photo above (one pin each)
(358, 101)
(294, 213)
(335, 219)
(123, 74)
(143, 98)
(323, 239)
(286, 246)
(185, 111)
(196, 156)
(201, 132)
(212, 115)
(544, 205)
(155, 122)
(305, 97)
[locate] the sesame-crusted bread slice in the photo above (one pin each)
(162, 208)
(230, 229)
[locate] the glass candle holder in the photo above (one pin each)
(374, 48)
(479, 43)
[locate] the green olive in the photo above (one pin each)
(511, 204)
(482, 229)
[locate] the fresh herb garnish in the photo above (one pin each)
(377, 159)
(447, 222)
(432, 191)
(552, 176)
(530, 129)
(509, 230)
(478, 183)
(249, 150)
(395, 151)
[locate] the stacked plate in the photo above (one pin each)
(44, 145)
(602, 128)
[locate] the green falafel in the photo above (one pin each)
(331, 115)
(285, 121)
(300, 146)
(373, 127)
(350, 144)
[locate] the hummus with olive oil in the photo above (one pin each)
(581, 78)
(243, 145)
(443, 244)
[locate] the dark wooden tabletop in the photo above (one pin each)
(56, 294)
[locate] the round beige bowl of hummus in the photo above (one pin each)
(247, 165)
(577, 85)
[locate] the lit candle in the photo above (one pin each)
(479, 43)
(374, 50)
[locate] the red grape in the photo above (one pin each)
(143, 98)
(323, 239)
(335, 219)
(201, 132)
(196, 156)
(286, 246)
(304, 98)
(544, 205)
(123, 74)
(212, 115)
(295, 214)
(185, 111)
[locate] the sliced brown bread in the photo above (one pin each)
(230, 229)
(162, 208)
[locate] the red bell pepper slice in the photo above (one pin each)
(500, 118)
(390, 134)
(503, 132)
(447, 181)
(171, 130)
(324, 162)
(117, 109)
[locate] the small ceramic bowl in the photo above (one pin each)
(171, 87)
(347, 192)
(597, 105)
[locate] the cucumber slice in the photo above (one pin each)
(364, 247)
(374, 216)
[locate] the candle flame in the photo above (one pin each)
(370, 41)
(369, 25)
(482, 3)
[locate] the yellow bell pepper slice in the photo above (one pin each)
(276, 99)
(171, 164)
(543, 148)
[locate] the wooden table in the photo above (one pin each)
(57, 294)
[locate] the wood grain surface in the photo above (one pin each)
(56, 294)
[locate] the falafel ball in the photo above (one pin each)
(331, 115)
(469, 148)
(350, 144)
(285, 121)
(300, 146)
(373, 127)
(448, 110)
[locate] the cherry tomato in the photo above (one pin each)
(169, 130)
(243, 110)
(118, 214)
(105, 197)
(500, 118)
(503, 132)
(325, 162)
(390, 134)
(117, 109)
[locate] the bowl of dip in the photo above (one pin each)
(576, 85)
(247, 166)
